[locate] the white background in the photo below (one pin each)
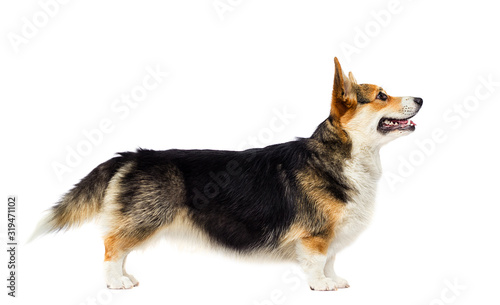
(436, 224)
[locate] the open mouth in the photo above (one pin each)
(387, 125)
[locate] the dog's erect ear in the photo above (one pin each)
(352, 79)
(344, 93)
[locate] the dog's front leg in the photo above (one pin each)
(312, 257)
(330, 272)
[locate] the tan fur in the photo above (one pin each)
(313, 187)
(296, 232)
(115, 246)
(343, 95)
(77, 215)
(317, 238)
(370, 92)
(316, 244)
(124, 231)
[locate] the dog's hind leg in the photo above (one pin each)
(130, 276)
(137, 205)
(117, 246)
(114, 274)
(114, 259)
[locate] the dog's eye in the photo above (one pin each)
(382, 96)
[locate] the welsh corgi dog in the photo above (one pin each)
(303, 200)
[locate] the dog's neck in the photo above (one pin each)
(366, 151)
(332, 139)
(354, 147)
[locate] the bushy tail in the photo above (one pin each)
(82, 203)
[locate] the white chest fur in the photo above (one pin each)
(363, 172)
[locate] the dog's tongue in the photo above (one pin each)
(405, 122)
(398, 123)
(410, 122)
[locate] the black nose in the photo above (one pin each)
(418, 100)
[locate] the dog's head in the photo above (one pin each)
(367, 113)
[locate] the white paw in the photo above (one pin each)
(132, 279)
(322, 284)
(340, 282)
(122, 282)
